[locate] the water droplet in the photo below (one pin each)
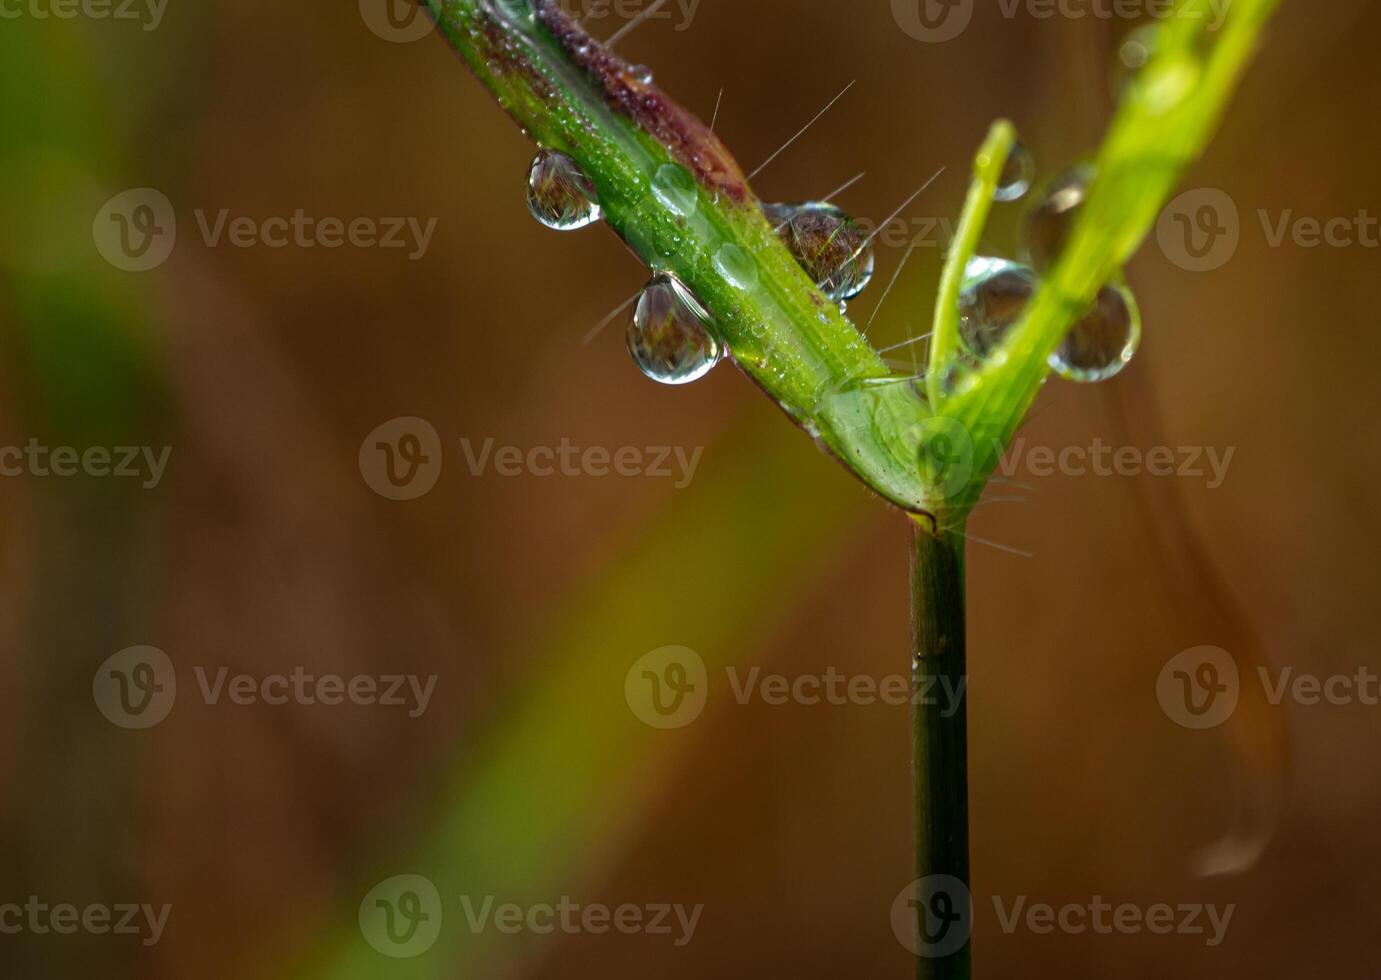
(736, 265)
(828, 244)
(675, 188)
(1104, 341)
(559, 195)
(993, 296)
(1137, 49)
(1017, 174)
(1163, 85)
(512, 9)
(1047, 226)
(669, 335)
(642, 73)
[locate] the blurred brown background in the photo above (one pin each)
(264, 549)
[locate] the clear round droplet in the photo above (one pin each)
(991, 301)
(1136, 50)
(559, 195)
(1104, 342)
(736, 266)
(669, 334)
(828, 244)
(675, 187)
(642, 73)
(1164, 85)
(1017, 174)
(1047, 226)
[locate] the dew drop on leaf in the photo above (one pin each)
(1133, 54)
(676, 189)
(736, 266)
(828, 244)
(1104, 342)
(669, 334)
(559, 195)
(1101, 344)
(1017, 174)
(1164, 85)
(991, 301)
(1048, 224)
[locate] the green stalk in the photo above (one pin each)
(572, 95)
(939, 741)
(930, 454)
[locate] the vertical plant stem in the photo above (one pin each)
(940, 764)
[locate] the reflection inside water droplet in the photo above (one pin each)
(669, 336)
(828, 244)
(991, 301)
(1048, 224)
(1104, 342)
(994, 297)
(1017, 174)
(559, 195)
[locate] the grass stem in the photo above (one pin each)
(939, 736)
